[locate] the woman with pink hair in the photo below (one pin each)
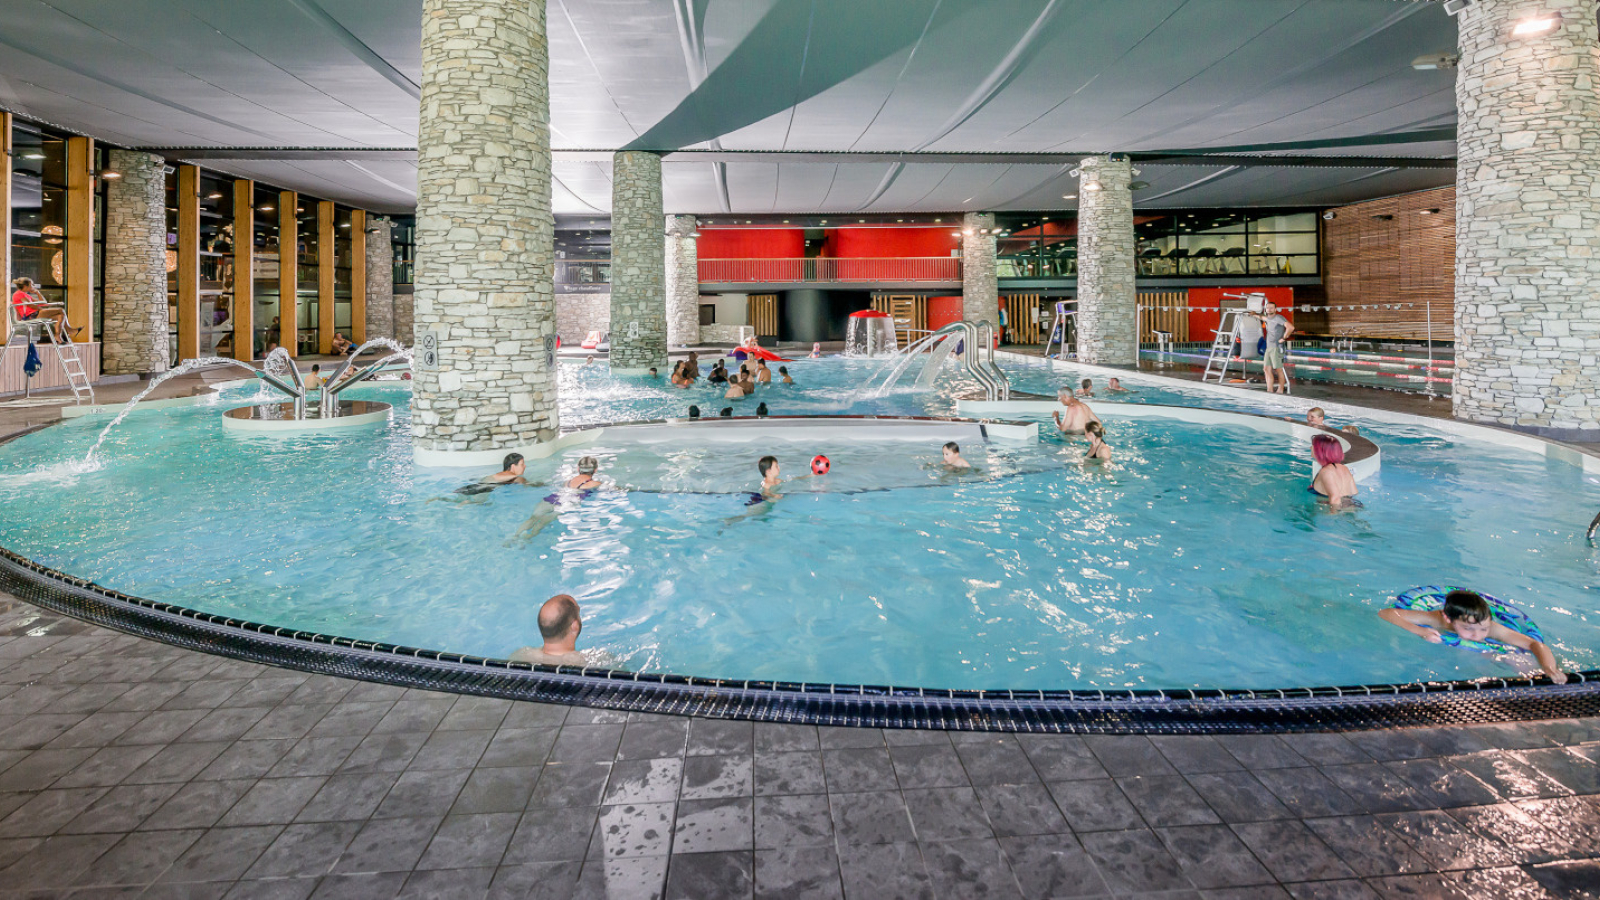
(1333, 479)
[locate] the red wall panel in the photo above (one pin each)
(752, 243)
(1203, 322)
(942, 311)
(889, 243)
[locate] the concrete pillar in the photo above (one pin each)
(638, 264)
(485, 232)
(1108, 332)
(980, 286)
(134, 323)
(683, 282)
(1528, 218)
(380, 281)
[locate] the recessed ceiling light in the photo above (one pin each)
(1091, 186)
(33, 154)
(266, 209)
(214, 195)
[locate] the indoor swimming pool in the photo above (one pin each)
(1195, 559)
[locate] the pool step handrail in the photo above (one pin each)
(990, 337)
(1593, 527)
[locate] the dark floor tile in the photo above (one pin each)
(139, 858)
(947, 814)
(1418, 887)
(464, 842)
(1261, 751)
(1509, 775)
(621, 878)
(999, 760)
(1367, 846)
(108, 766)
(56, 862)
(1386, 744)
(706, 777)
(1212, 856)
(177, 762)
(711, 876)
(1123, 755)
(1094, 806)
(348, 798)
(535, 881)
(448, 884)
(876, 817)
(222, 854)
(513, 747)
(654, 740)
(288, 721)
(586, 743)
(570, 784)
(717, 737)
(1050, 866)
(798, 772)
(554, 834)
(1575, 879)
(772, 737)
(1575, 772)
(272, 889)
(1195, 754)
(1061, 757)
(387, 845)
(1291, 852)
(1450, 741)
(273, 801)
(635, 829)
(383, 753)
(419, 794)
(970, 868)
(378, 886)
(884, 871)
(314, 755)
(47, 811)
(1133, 861)
(121, 809)
(41, 768)
(198, 804)
(246, 759)
(799, 820)
(1019, 809)
(496, 790)
(705, 826)
(475, 714)
(1167, 801)
(1441, 784)
(842, 738)
(799, 872)
(1307, 792)
(927, 766)
(351, 718)
(1238, 797)
(1374, 788)
(451, 750)
(304, 851)
(859, 769)
(415, 716)
(225, 724)
(1445, 843)
(535, 715)
(645, 781)
(161, 727)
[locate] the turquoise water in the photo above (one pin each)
(1196, 559)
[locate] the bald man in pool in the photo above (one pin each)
(559, 625)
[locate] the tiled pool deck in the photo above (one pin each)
(130, 768)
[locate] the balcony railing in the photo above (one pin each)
(830, 270)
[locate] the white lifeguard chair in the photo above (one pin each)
(25, 332)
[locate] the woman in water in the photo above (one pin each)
(679, 379)
(545, 512)
(1333, 480)
(1099, 450)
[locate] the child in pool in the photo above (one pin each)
(1467, 614)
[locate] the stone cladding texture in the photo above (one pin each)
(683, 282)
(380, 282)
(134, 322)
(980, 285)
(638, 263)
(579, 314)
(1107, 311)
(485, 232)
(1528, 219)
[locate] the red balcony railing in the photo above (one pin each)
(826, 270)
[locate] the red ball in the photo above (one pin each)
(819, 465)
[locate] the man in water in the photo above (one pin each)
(784, 371)
(763, 374)
(314, 380)
(1087, 390)
(559, 625)
(546, 511)
(1316, 418)
(1278, 329)
(1075, 416)
(735, 390)
(511, 469)
(1468, 615)
(654, 373)
(952, 457)
(1115, 387)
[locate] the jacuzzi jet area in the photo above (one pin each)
(1190, 583)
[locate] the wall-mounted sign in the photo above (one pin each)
(550, 351)
(633, 331)
(428, 351)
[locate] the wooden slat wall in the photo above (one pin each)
(1407, 257)
(288, 273)
(763, 314)
(909, 311)
(1167, 311)
(325, 282)
(79, 258)
(358, 276)
(188, 262)
(1021, 325)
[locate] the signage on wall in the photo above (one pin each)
(549, 351)
(428, 351)
(633, 331)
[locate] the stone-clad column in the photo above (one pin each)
(980, 287)
(485, 232)
(1107, 311)
(380, 280)
(638, 264)
(683, 282)
(134, 321)
(1528, 218)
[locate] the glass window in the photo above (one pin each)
(403, 236)
(343, 310)
(266, 262)
(217, 277)
(39, 210)
(306, 321)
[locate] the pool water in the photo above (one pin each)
(1196, 559)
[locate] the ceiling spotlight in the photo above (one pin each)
(694, 234)
(266, 209)
(33, 154)
(1091, 186)
(1428, 212)
(1069, 196)
(110, 174)
(1540, 23)
(967, 231)
(1431, 61)
(214, 195)
(344, 224)
(1330, 215)
(955, 234)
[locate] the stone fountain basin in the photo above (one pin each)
(279, 417)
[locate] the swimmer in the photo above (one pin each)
(584, 483)
(763, 374)
(1115, 387)
(1099, 450)
(816, 351)
(761, 410)
(511, 470)
(719, 374)
(1351, 429)
(314, 380)
(694, 412)
(1316, 418)
(735, 391)
(1467, 614)
(559, 625)
(784, 371)
(727, 412)
(1076, 415)
(654, 373)
(1087, 390)
(589, 361)
(952, 457)
(680, 377)
(691, 366)
(1333, 480)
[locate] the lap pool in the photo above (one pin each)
(1196, 560)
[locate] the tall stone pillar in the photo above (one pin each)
(980, 286)
(134, 324)
(683, 282)
(485, 232)
(638, 264)
(380, 281)
(1528, 218)
(1107, 299)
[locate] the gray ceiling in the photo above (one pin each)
(1060, 76)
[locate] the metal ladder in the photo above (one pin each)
(25, 333)
(1222, 346)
